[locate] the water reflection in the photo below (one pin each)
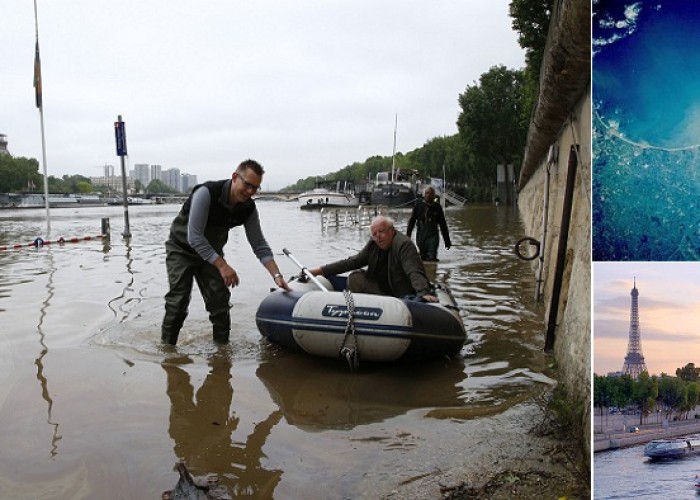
(319, 394)
(202, 426)
(39, 361)
(123, 299)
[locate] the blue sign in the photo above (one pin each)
(120, 136)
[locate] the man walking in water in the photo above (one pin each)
(429, 216)
(194, 249)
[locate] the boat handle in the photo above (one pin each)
(305, 271)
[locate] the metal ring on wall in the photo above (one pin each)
(533, 243)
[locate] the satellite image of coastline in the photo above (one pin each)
(646, 130)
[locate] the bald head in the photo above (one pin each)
(382, 231)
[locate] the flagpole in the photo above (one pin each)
(40, 105)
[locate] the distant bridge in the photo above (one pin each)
(280, 196)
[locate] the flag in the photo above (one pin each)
(37, 76)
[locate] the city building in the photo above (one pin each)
(3, 145)
(112, 185)
(172, 178)
(156, 171)
(142, 173)
(188, 182)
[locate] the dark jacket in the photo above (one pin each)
(220, 220)
(429, 216)
(406, 272)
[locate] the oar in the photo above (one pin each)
(305, 270)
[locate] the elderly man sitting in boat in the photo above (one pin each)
(394, 266)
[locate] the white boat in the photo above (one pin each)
(60, 201)
(340, 194)
(672, 448)
(337, 324)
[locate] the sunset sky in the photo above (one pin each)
(669, 314)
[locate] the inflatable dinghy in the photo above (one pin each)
(359, 326)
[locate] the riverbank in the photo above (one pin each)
(541, 466)
(604, 441)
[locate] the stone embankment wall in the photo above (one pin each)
(559, 136)
(572, 345)
(646, 433)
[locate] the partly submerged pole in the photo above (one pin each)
(393, 152)
(393, 161)
(40, 106)
(443, 198)
(120, 136)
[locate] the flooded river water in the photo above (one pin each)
(92, 406)
(627, 473)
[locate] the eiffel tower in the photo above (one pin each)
(634, 361)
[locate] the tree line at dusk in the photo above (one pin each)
(648, 393)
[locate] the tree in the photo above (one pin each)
(19, 174)
(531, 22)
(692, 395)
(490, 125)
(601, 393)
(158, 186)
(644, 394)
(689, 373)
(672, 394)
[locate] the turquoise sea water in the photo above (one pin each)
(646, 130)
(648, 83)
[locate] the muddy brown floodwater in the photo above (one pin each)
(92, 406)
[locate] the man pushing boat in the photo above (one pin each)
(194, 249)
(394, 266)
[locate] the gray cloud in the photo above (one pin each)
(304, 87)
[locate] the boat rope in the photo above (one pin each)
(351, 354)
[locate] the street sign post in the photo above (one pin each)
(120, 136)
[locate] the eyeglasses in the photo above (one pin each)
(249, 185)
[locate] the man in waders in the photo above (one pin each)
(429, 216)
(194, 249)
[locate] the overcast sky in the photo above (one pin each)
(305, 87)
(669, 314)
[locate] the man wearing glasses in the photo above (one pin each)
(194, 249)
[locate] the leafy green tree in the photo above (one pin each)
(672, 394)
(531, 22)
(644, 394)
(158, 186)
(19, 174)
(689, 373)
(692, 396)
(602, 394)
(490, 125)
